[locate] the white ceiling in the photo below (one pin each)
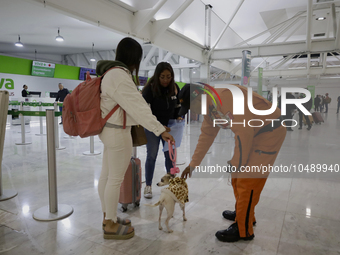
(181, 31)
(38, 27)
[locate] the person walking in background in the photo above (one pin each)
(308, 106)
(317, 101)
(24, 92)
(62, 93)
(327, 101)
(118, 87)
(338, 104)
(161, 93)
(322, 102)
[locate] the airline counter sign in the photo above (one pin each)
(43, 69)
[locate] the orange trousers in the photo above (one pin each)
(248, 186)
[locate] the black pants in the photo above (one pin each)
(301, 116)
(338, 108)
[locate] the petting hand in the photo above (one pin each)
(187, 171)
(179, 118)
(166, 136)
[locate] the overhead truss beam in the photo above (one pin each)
(277, 49)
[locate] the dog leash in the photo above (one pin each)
(173, 156)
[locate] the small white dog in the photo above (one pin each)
(176, 192)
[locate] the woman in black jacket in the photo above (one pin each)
(161, 94)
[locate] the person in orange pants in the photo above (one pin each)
(254, 147)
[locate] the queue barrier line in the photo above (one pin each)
(16, 113)
(31, 113)
(34, 104)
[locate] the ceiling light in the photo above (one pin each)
(92, 59)
(18, 43)
(59, 38)
(321, 18)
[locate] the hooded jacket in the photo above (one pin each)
(117, 87)
(244, 133)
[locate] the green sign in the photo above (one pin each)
(6, 83)
(43, 69)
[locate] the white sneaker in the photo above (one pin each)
(148, 192)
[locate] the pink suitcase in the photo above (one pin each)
(130, 190)
(317, 117)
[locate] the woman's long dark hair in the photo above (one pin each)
(156, 85)
(130, 53)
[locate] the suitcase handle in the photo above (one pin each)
(138, 185)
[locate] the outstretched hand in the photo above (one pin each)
(187, 171)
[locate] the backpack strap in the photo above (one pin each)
(113, 111)
(117, 106)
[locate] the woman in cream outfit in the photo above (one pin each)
(118, 87)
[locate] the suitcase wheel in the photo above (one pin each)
(137, 204)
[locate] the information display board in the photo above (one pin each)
(43, 69)
(83, 71)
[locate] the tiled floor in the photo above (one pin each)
(296, 214)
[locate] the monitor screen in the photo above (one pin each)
(53, 94)
(34, 93)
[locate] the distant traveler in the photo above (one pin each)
(317, 102)
(338, 104)
(24, 92)
(327, 101)
(120, 87)
(62, 93)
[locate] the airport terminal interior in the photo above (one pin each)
(296, 215)
(264, 45)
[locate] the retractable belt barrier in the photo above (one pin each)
(34, 104)
(16, 113)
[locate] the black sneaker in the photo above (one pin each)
(232, 234)
(231, 215)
